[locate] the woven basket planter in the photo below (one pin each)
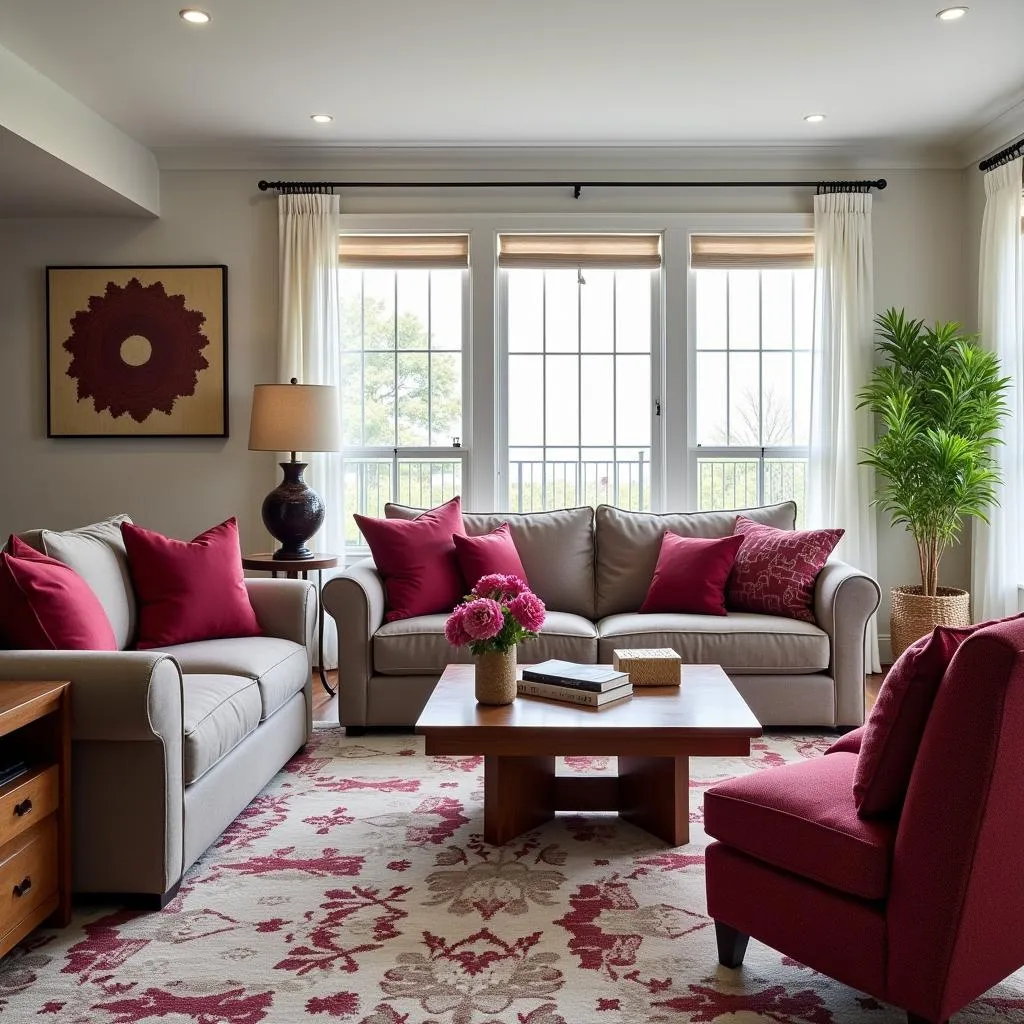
(914, 615)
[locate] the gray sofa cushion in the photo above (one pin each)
(628, 544)
(279, 667)
(219, 712)
(96, 552)
(557, 550)
(417, 646)
(741, 642)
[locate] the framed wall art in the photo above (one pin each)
(137, 351)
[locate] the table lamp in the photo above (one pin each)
(294, 418)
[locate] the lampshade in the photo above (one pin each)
(294, 418)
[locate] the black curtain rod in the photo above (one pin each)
(577, 186)
(1004, 156)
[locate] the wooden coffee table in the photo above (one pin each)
(653, 734)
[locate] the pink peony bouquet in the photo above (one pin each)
(501, 612)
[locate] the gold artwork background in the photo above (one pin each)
(202, 414)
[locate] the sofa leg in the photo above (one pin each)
(355, 730)
(146, 901)
(916, 1018)
(732, 945)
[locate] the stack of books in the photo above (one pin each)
(590, 685)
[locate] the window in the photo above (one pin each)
(403, 313)
(578, 328)
(751, 379)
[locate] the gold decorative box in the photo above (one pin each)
(652, 666)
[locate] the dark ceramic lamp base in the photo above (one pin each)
(292, 513)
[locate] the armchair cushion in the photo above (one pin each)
(46, 605)
(802, 818)
(279, 668)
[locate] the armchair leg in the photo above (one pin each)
(915, 1018)
(732, 946)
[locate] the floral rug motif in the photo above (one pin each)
(357, 887)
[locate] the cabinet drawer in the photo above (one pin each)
(28, 872)
(26, 801)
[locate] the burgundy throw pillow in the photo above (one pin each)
(46, 606)
(417, 559)
(493, 552)
(893, 731)
(775, 570)
(188, 589)
(691, 573)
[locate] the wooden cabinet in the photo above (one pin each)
(35, 808)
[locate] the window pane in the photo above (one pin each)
(378, 309)
(525, 310)
(445, 398)
(633, 311)
(367, 488)
(712, 398)
(413, 400)
(350, 284)
(803, 308)
(446, 309)
(596, 399)
(413, 308)
(379, 399)
(727, 483)
(525, 386)
(711, 309)
(351, 400)
(597, 311)
(744, 309)
(776, 398)
(425, 483)
(744, 398)
(561, 400)
(561, 311)
(802, 398)
(777, 308)
(786, 480)
(633, 400)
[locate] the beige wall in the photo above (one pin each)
(182, 486)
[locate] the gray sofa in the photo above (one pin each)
(592, 568)
(169, 745)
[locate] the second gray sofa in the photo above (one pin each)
(592, 569)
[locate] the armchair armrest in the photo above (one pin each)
(844, 601)
(285, 608)
(115, 695)
(355, 599)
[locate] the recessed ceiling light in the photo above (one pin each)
(194, 16)
(321, 118)
(814, 118)
(951, 13)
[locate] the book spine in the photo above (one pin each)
(577, 684)
(565, 693)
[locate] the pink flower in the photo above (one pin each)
(455, 628)
(482, 618)
(497, 585)
(528, 610)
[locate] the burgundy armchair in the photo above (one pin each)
(922, 911)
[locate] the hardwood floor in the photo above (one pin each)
(325, 707)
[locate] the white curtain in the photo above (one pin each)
(309, 349)
(839, 490)
(996, 565)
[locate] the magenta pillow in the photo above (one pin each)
(690, 575)
(417, 559)
(493, 552)
(188, 589)
(896, 724)
(46, 606)
(775, 570)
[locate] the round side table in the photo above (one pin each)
(299, 568)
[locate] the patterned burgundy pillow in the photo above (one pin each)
(775, 570)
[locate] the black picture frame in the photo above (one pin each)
(137, 351)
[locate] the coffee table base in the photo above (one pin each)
(522, 793)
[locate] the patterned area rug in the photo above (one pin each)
(357, 887)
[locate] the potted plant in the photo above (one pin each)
(940, 400)
(500, 613)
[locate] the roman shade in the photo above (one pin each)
(606, 252)
(403, 252)
(751, 252)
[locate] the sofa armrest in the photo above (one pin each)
(285, 608)
(355, 599)
(844, 601)
(127, 732)
(115, 695)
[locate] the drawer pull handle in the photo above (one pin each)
(26, 884)
(24, 807)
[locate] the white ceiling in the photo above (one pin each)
(521, 72)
